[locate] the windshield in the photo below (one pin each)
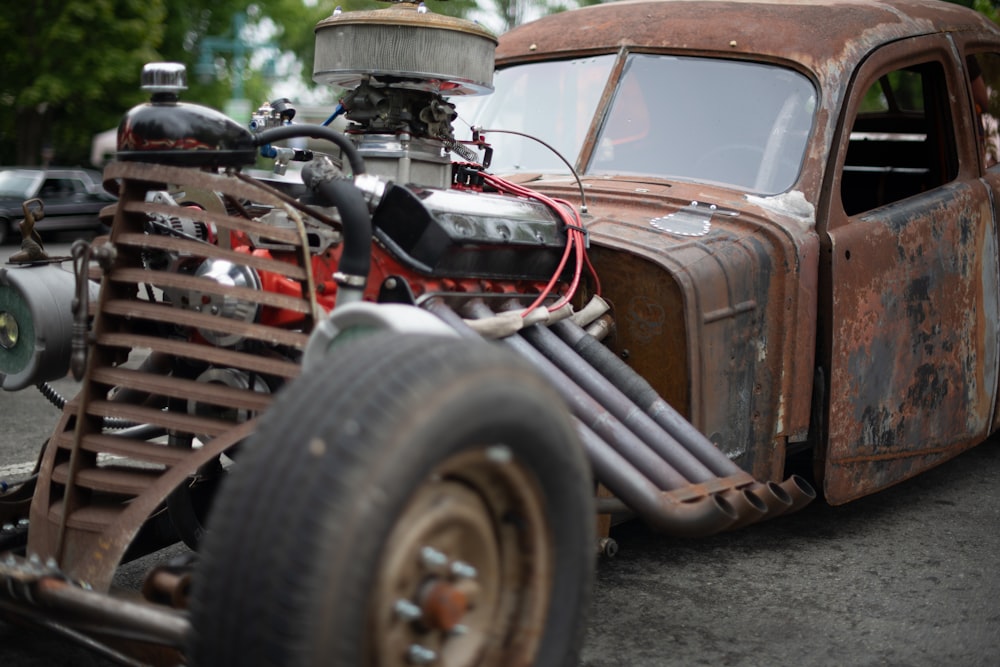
(17, 184)
(554, 101)
(703, 119)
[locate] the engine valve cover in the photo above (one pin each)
(449, 233)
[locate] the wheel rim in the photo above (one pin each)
(466, 574)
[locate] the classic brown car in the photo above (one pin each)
(688, 261)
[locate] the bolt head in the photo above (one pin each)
(463, 570)
(420, 655)
(499, 454)
(433, 558)
(406, 610)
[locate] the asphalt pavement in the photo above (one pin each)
(907, 577)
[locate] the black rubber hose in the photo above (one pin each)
(59, 401)
(354, 215)
(273, 134)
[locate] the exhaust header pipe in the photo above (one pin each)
(638, 460)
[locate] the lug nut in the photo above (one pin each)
(463, 570)
(499, 454)
(433, 558)
(420, 655)
(406, 610)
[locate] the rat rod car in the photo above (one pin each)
(394, 412)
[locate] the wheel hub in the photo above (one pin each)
(461, 569)
(443, 605)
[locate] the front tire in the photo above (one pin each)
(418, 500)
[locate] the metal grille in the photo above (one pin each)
(104, 483)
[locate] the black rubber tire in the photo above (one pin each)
(296, 545)
(5, 227)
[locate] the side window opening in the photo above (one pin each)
(902, 140)
(54, 187)
(75, 187)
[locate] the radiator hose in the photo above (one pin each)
(334, 189)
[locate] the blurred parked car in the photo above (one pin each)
(72, 198)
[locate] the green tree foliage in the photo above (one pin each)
(70, 66)
(986, 7)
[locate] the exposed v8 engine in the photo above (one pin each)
(213, 279)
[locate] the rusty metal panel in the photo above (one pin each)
(912, 332)
(991, 301)
(830, 43)
(909, 386)
(724, 319)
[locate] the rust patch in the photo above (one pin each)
(908, 388)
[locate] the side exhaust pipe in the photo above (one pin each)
(790, 495)
(699, 517)
(749, 506)
(679, 489)
(624, 462)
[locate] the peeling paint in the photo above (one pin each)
(792, 204)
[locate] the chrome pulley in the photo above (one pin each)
(231, 378)
(231, 301)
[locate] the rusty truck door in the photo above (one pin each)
(912, 327)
